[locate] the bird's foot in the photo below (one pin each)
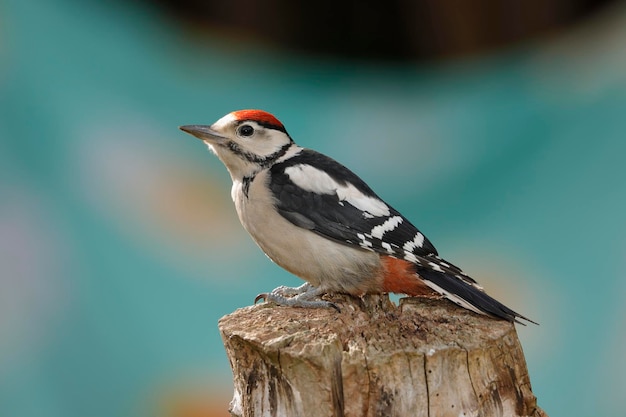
(306, 296)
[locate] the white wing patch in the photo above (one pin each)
(314, 180)
(417, 242)
(387, 247)
(365, 243)
(435, 267)
(410, 256)
(389, 225)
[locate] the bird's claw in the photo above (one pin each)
(305, 296)
(333, 305)
(263, 296)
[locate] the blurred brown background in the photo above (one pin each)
(392, 30)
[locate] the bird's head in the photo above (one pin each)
(246, 141)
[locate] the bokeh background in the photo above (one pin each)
(499, 129)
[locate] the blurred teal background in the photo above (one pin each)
(120, 248)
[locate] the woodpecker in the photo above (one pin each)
(321, 222)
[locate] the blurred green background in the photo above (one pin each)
(499, 132)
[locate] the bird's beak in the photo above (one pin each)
(203, 133)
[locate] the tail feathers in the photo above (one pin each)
(467, 295)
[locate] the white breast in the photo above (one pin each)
(322, 262)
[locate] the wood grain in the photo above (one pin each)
(425, 357)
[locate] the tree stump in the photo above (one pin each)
(425, 357)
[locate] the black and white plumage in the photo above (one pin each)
(317, 193)
(320, 221)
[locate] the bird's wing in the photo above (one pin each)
(317, 193)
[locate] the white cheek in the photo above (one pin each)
(265, 143)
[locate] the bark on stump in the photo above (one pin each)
(425, 357)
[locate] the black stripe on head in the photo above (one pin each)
(264, 161)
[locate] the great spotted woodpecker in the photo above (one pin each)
(318, 220)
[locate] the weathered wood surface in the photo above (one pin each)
(426, 357)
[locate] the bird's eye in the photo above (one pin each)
(245, 130)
